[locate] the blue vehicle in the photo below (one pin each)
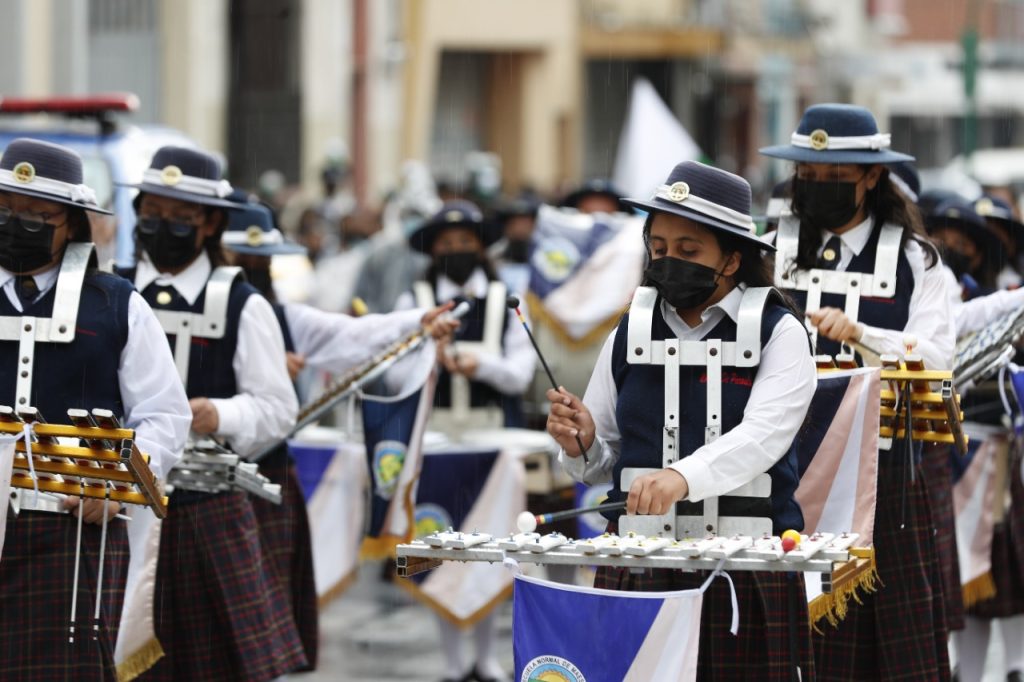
(112, 153)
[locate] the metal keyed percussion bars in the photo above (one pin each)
(108, 465)
(208, 467)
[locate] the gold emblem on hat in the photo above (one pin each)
(163, 298)
(678, 192)
(829, 254)
(171, 175)
(24, 172)
(453, 216)
(819, 140)
(254, 235)
(984, 206)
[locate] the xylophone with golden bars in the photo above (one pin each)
(105, 464)
(934, 405)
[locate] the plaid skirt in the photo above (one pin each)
(284, 535)
(36, 577)
(1007, 555)
(220, 614)
(898, 632)
(938, 477)
(768, 641)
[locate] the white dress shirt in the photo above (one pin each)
(930, 318)
(509, 373)
(779, 399)
(265, 407)
(335, 342)
(979, 312)
(154, 400)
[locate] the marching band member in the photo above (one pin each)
(115, 360)
(325, 341)
(848, 217)
(220, 610)
(999, 216)
(710, 282)
(486, 368)
(491, 362)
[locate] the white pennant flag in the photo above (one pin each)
(653, 141)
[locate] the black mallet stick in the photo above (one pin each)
(513, 303)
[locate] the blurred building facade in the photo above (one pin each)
(543, 84)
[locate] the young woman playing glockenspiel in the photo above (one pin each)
(706, 266)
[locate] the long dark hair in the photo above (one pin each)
(885, 204)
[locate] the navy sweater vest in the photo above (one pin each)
(640, 410)
(472, 329)
(885, 313)
(211, 373)
(82, 374)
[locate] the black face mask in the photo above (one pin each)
(22, 250)
(826, 205)
(259, 278)
(957, 262)
(169, 244)
(458, 266)
(517, 250)
(684, 284)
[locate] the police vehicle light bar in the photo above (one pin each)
(75, 106)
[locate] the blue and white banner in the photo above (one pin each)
(580, 634)
(393, 433)
(575, 254)
(593, 524)
(468, 489)
(331, 470)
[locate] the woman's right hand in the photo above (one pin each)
(567, 419)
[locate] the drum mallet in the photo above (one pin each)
(527, 522)
(513, 303)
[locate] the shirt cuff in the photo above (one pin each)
(576, 467)
(229, 416)
(488, 370)
(699, 479)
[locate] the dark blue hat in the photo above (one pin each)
(837, 133)
(706, 195)
(600, 187)
(999, 211)
(44, 170)
(957, 213)
(187, 174)
(458, 213)
(251, 230)
(904, 175)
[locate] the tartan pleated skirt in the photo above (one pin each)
(938, 478)
(898, 632)
(284, 534)
(220, 612)
(36, 577)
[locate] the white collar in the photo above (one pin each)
(729, 305)
(854, 239)
(190, 282)
(44, 280)
(476, 286)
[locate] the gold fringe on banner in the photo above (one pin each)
(981, 588)
(140, 661)
(383, 547)
(859, 574)
(540, 316)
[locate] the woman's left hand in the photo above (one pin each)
(832, 323)
(205, 419)
(656, 493)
